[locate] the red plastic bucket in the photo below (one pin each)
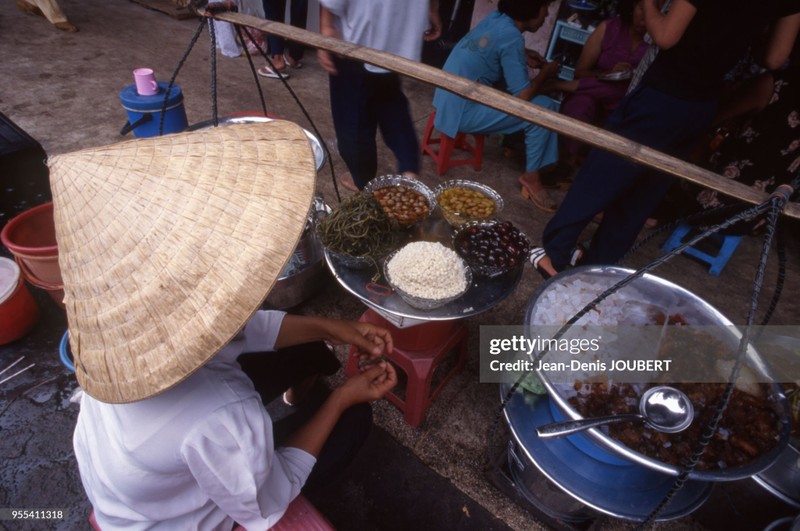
(18, 311)
(31, 238)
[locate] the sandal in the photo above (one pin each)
(535, 258)
(540, 198)
(266, 71)
(291, 62)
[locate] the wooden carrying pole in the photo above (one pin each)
(509, 104)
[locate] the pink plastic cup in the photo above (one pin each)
(146, 84)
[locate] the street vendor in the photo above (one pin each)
(168, 246)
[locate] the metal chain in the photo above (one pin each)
(302, 107)
(213, 40)
(775, 204)
(182, 60)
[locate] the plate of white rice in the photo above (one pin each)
(427, 275)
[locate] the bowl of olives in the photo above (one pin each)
(463, 201)
(491, 248)
(404, 199)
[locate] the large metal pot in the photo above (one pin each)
(306, 272)
(661, 291)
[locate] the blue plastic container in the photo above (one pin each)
(144, 112)
(64, 353)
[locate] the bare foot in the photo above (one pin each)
(278, 63)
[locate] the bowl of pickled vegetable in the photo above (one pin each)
(463, 201)
(491, 248)
(404, 199)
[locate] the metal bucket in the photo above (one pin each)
(306, 272)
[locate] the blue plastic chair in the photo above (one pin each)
(727, 245)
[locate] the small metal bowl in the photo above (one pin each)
(422, 303)
(391, 181)
(457, 218)
(484, 269)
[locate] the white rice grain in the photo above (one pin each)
(428, 270)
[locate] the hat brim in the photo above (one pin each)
(168, 245)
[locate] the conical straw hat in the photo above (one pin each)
(168, 245)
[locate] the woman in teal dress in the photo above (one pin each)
(494, 54)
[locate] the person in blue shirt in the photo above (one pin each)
(494, 54)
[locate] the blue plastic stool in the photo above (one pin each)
(727, 245)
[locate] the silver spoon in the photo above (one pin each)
(663, 408)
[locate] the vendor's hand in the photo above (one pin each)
(534, 59)
(371, 384)
(370, 340)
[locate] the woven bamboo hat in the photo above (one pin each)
(168, 245)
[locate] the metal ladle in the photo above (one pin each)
(663, 408)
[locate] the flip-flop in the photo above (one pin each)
(540, 198)
(266, 71)
(297, 64)
(535, 258)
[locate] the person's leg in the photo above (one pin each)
(298, 16)
(273, 373)
(275, 10)
(355, 126)
(612, 184)
(581, 106)
(541, 145)
(395, 123)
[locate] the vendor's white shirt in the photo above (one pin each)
(394, 26)
(197, 456)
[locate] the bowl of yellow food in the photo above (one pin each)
(463, 201)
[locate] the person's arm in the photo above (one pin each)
(435, 29)
(299, 329)
(327, 28)
(369, 385)
(590, 54)
(781, 41)
(751, 97)
(667, 29)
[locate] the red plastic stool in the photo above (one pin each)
(443, 156)
(418, 351)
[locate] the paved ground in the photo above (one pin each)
(62, 89)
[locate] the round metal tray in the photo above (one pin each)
(320, 157)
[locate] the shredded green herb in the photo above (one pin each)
(358, 227)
